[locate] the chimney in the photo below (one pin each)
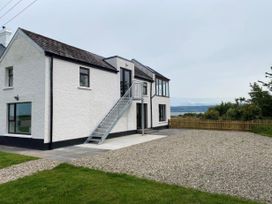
(5, 36)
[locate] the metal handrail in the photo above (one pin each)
(134, 92)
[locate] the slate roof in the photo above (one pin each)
(57, 48)
(2, 49)
(141, 75)
(60, 49)
(157, 74)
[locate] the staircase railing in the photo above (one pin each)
(135, 92)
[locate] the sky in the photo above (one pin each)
(210, 49)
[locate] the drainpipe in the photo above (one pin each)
(51, 103)
(151, 108)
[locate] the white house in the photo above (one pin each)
(53, 94)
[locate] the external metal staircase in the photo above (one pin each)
(101, 132)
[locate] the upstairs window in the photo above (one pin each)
(9, 77)
(84, 77)
(145, 88)
(162, 112)
(162, 88)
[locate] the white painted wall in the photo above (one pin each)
(156, 100)
(28, 63)
(78, 111)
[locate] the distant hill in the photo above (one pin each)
(180, 110)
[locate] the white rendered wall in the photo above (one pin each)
(29, 72)
(77, 112)
(156, 100)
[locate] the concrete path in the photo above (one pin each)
(25, 169)
(122, 142)
(65, 154)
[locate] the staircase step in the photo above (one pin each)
(101, 132)
(97, 137)
(98, 134)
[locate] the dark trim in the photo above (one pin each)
(162, 78)
(120, 134)
(151, 105)
(51, 103)
(40, 145)
(161, 127)
(80, 62)
(22, 142)
(142, 78)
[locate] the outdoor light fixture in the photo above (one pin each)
(16, 98)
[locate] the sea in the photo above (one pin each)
(181, 110)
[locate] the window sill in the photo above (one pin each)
(84, 88)
(8, 88)
(18, 135)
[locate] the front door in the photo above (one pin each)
(139, 116)
(125, 80)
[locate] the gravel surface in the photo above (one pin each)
(235, 163)
(25, 169)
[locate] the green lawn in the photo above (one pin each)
(263, 130)
(8, 159)
(69, 184)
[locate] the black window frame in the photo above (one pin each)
(162, 87)
(15, 118)
(10, 77)
(84, 75)
(162, 112)
(123, 88)
(145, 89)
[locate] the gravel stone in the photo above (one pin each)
(25, 169)
(228, 162)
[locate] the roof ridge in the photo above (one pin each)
(60, 42)
(61, 49)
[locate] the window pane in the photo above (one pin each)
(162, 112)
(160, 87)
(84, 71)
(11, 128)
(23, 118)
(167, 89)
(10, 70)
(145, 88)
(157, 86)
(84, 77)
(11, 112)
(84, 80)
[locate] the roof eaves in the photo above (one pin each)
(47, 53)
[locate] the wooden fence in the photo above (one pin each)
(179, 122)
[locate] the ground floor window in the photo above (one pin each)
(162, 112)
(19, 118)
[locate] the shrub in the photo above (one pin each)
(265, 130)
(212, 114)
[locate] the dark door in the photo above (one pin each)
(125, 80)
(139, 116)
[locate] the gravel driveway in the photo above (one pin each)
(236, 163)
